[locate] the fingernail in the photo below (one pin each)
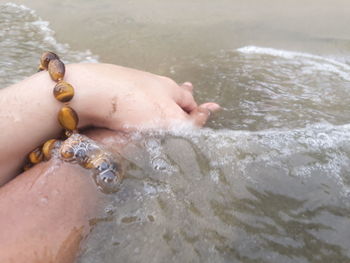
(204, 110)
(187, 83)
(211, 106)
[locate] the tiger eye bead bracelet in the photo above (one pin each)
(76, 148)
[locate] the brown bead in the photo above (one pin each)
(88, 164)
(56, 69)
(67, 152)
(101, 164)
(36, 156)
(68, 118)
(45, 58)
(47, 148)
(63, 91)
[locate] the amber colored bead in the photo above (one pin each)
(47, 148)
(63, 91)
(88, 164)
(56, 69)
(67, 152)
(45, 58)
(68, 118)
(36, 156)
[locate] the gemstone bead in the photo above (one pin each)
(68, 118)
(56, 69)
(108, 176)
(67, 152)
(36, 156)
(47, 148)
(87, 163)
(45, 58)
(101, 164)
(63, 91)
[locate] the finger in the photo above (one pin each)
(201, 114)
(186, 101)
(187, 86)
(211, 106)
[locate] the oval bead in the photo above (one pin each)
(45, 58)
(56, 69)
(63, 91)
(36, 156)
(68, 118)
(47, 148)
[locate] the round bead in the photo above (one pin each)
(83, 159)
(45, 58)
(101, 164)
(63, 91)
(56, 69)
(47, 148)
(36, 156)
(68, 118)
(108, 176)
(87, 163)
(67, 152)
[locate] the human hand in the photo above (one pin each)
(106, 96)
(119, 98)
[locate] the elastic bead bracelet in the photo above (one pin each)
(76, 148)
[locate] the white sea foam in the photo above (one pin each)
(320, 63)
(24, 36)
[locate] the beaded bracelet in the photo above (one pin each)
(76, 148)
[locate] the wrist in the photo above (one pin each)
(79, 76)
(98, 90)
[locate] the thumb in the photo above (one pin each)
(200, 114)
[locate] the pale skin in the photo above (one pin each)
(45, 212)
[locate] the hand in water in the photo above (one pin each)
(106, 96)
(122, 99)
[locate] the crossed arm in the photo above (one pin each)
(106, 96)
(45, 212)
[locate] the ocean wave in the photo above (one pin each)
(23, 37)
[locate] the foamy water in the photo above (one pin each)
(23, 37)
(268, 181)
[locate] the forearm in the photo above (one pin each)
(45, 213)
(106, 96)
(28, 113)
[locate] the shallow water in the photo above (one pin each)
(268, 181)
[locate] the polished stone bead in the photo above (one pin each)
(63, 91)
(45, 58)
(67, 152)
(101, 164)
(36, 156)
(68, 118)
(47, 148)
(56, 69)
(87, 163)
(108, 176)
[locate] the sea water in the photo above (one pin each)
(266, 181)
